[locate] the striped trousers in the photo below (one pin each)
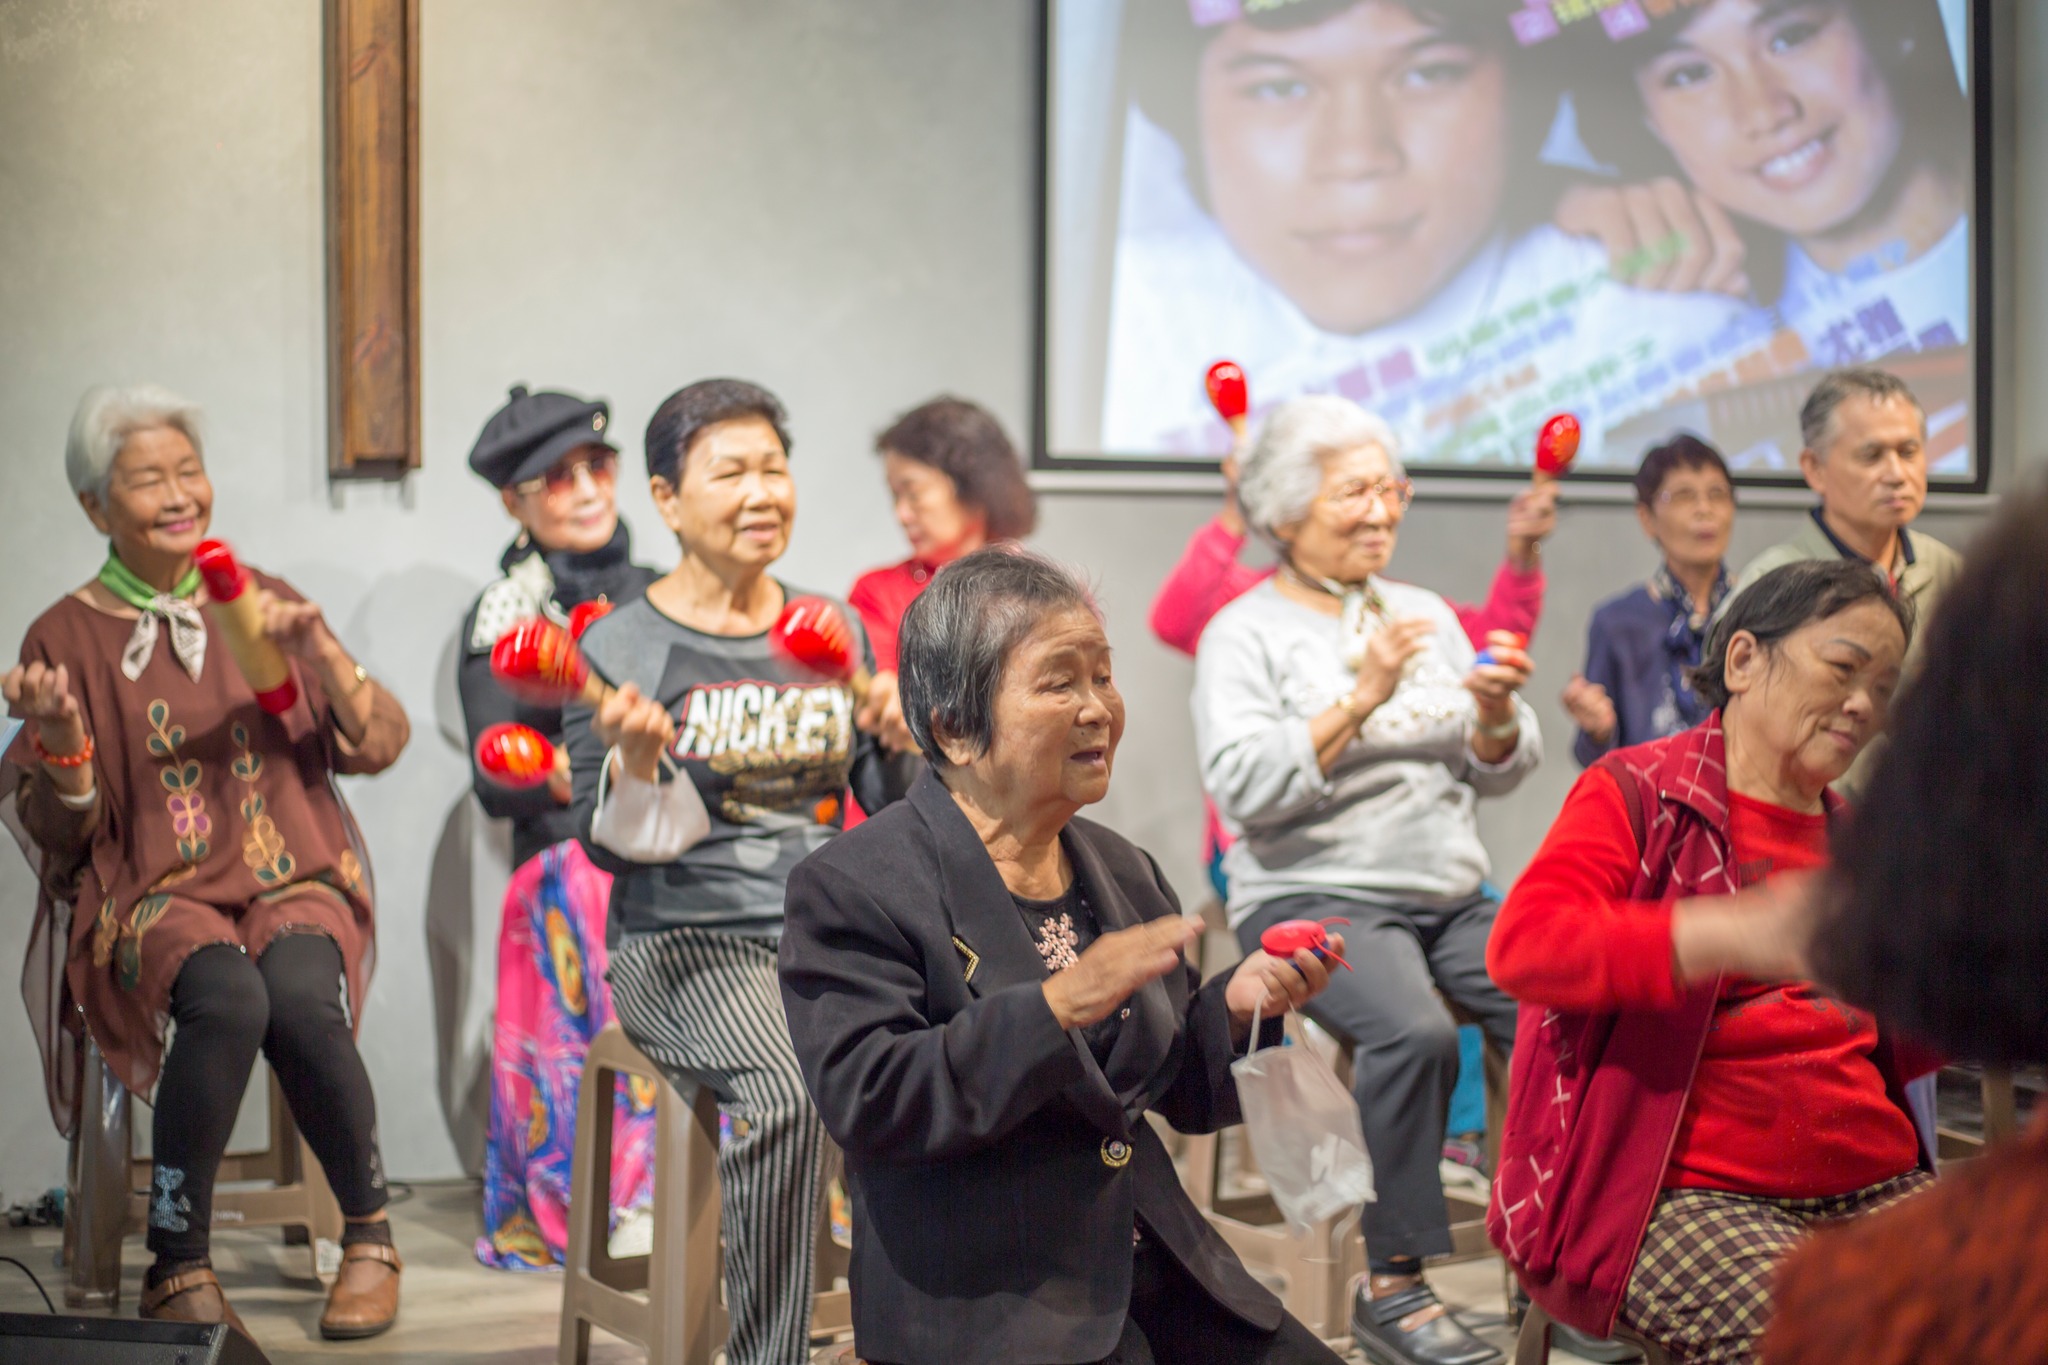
(705, 1007)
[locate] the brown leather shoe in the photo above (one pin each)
(190, 1296)
(364, 1300)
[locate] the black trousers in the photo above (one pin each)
(225, 1007)
(1173, 1321)
(1404, 1043)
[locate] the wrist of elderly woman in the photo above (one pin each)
(1497, 719)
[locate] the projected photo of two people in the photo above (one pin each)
(1469, 214)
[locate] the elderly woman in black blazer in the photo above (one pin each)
(987, 995)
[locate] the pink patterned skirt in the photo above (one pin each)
(552, 1000)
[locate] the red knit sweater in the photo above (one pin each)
(1786, 1100)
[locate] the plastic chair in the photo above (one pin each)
(108, 1189)
(667, 1302)
(1532, 1344)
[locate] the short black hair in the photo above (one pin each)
(1162, 49)
(957, 638)
(1683, 451)
(1783, 600)
(963, 441)
(1940, 925)
(684, 415)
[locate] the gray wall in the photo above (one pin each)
(619, 196)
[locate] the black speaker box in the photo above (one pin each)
(40, 1339)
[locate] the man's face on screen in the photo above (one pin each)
(1776, 110)
(1356, 162)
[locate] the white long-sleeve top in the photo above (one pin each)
(1394, 818)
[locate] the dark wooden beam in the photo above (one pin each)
(373, 236)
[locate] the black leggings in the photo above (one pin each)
(225, 1007)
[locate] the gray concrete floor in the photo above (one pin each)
(456, 1311)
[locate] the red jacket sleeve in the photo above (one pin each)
(1569, 937)
(1513, 603)
(1207, 579)
(867, 598)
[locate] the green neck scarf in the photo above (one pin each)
(188, 630)
(127, 585)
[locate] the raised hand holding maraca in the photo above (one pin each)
(638, 726)
(1266, 985)
(1501, 671)
(1230, 395)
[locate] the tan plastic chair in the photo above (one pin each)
(667, 1302)
(108, 1189)
(1313, 1274)
(2001, 1117)
(1532, 1344)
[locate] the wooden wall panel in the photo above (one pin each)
(373, 238)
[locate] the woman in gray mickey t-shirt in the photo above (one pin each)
(710, 772)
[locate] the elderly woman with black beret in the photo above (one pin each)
(550, 457)
(987, 996)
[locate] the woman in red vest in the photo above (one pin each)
(1686, 1104)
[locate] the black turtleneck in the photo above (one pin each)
(609, 572)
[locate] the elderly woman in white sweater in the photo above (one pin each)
(1347, 730)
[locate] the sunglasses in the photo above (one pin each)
(560, 482)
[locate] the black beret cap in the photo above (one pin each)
(525, 438)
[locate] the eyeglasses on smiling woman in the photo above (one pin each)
(1392, 494)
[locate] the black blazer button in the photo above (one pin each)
(1116, 1153)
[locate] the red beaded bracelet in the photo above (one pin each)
(77, 760)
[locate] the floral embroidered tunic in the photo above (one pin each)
(216, 823)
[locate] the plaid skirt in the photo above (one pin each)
(1702, 1282)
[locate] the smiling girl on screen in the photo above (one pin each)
(1834, 135)
(1327, 191)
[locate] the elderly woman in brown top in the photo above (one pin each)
(218, 879)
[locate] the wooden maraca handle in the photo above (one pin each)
(238, 614)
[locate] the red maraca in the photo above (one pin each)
(584, 613)
(538, 662)
(1486, 657)
(1289, 937)
(1557, 445)
(516, 756)
(1228, 394)
(814, 634)
(235, 611)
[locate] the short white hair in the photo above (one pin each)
(1284, 471)
(107, 416)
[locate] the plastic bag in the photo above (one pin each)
(1304, 1130)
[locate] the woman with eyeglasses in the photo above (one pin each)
(1346, 729)
(547, 455)
(1643, 644)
